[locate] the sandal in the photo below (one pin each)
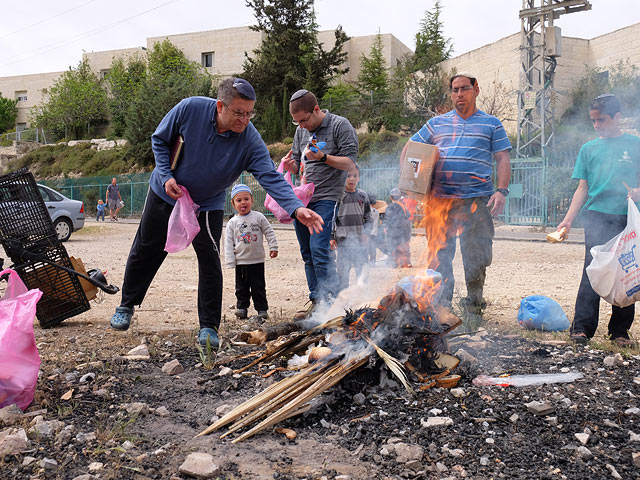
(579, 338)
(211, 335)
(122, 318)
(624, 342)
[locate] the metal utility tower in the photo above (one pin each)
(539, 47)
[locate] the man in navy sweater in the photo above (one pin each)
(220, 142)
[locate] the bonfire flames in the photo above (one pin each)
(406, 330)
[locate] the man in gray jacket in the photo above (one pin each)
(326, 168)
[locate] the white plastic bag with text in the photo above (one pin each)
(614, 272)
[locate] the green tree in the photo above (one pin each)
(8, 114)
(123, 81)
(74, 103)
(374, 75)
(420, 76)
(170, 78)
(431, 45)
(290, 57)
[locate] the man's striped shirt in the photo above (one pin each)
(466, 148)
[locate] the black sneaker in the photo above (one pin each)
(241, 313)
(263, 314)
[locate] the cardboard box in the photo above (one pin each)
(416, 172)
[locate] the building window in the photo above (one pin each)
(21, 96)
(207, 59)
(104, 73)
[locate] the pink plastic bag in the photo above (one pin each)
(303, 192)
(19, 358)
(183, 223)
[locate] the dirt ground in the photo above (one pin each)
(519, 269)
(342, 439)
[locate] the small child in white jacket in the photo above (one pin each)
(244, 250)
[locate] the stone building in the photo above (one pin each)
(221, 52)
(497, 67)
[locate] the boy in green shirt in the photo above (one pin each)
(608, 170)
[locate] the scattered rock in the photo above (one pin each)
(609, 361)
(86, 476)
(582, 437)
(48, 464)
(539, 408)
(635, 456)
(514, 418)
(359, 399)
(406, 453)
(10, 414)
(223, 409)
(87, 377)
(199, 465)
(26, 461)
(45, 429)
(162, 411)
(127, 445)
(141, 352)
(633, 437)
(13, 441)
(173, 367)
(584, 452)
(136, 408)
(224, 371)
(458, 392)
(436, 422)
(85, 437)
(95, 467)
(632, 411)
(614, 472)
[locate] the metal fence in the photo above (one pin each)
(532, 200)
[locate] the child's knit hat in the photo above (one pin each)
(241, 187)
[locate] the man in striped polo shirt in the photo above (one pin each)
(468, 140)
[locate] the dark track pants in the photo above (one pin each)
(250, 283)
(599, 228)
(147, 254)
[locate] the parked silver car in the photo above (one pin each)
(67, 215)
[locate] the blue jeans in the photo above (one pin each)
(319, 260)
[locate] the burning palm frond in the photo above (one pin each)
(394, 365)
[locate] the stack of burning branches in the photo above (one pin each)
(407, 331)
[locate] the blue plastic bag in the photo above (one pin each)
(538, 312)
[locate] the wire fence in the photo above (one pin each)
(534, 200)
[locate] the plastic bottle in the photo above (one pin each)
(527, 380)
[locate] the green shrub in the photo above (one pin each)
(278, 150)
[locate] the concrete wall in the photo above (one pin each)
(496, 67)
(33, 86)
(228, 46)
(392, 51)
(100, 62)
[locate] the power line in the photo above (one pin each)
(45, 20)
(62, 43)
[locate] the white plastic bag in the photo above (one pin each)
(614, 272)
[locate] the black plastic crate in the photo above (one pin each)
(23, 213)
(62, 294)
(28, 237)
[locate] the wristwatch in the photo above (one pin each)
(324, 157)
(503, 191)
